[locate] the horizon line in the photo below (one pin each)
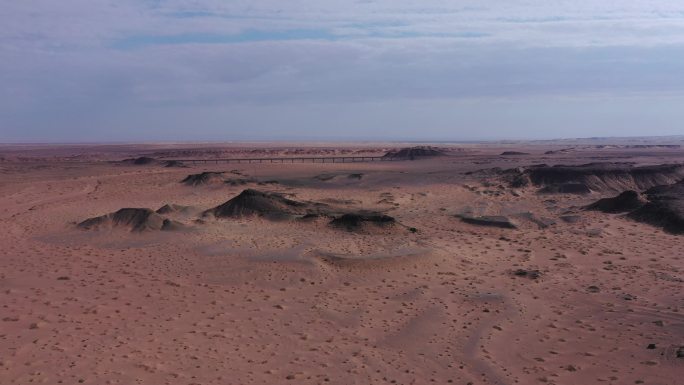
(336, 140)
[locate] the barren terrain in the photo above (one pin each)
(482, 265)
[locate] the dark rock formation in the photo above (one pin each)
(174, 163)
(607, 176)
(257, 203)
(514, 177)
(362, 220)
(513, 153)
(665, 208)
(571, 218)
(207, 177)
(143, 160)
(566, 188)
(133, 219)
(490, 221)
(627, 201)
(518, 180)
(531, 274)
(561, 151)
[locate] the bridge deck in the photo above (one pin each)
(308, 159)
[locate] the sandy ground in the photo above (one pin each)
(252, 301)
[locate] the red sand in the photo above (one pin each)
(253, 301)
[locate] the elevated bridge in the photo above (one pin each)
(308, 159)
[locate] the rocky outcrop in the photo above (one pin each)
(605, 176)
(665, 208)
(625, 202)
(362, 221)
(566, 188)
(489, 221)
(204, 178)
(264, 204)
(132, 219)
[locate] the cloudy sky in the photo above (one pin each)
(146, 70)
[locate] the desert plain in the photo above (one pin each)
(473, 263)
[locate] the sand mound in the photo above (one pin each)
(513, 153)
(257, 203)
(627, 201)
(171, 225)
(143, 160)
(140, 161)
(414, 152)
(361, 263)
(133, 219)
(665, 208)
(325, 177)
(490, 221)
(390, 260)
(208, 177)
(363, 221)
(606, 176)
(174, 163)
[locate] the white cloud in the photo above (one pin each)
(85, 23)
(80, 63)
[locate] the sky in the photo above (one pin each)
(196, 70)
